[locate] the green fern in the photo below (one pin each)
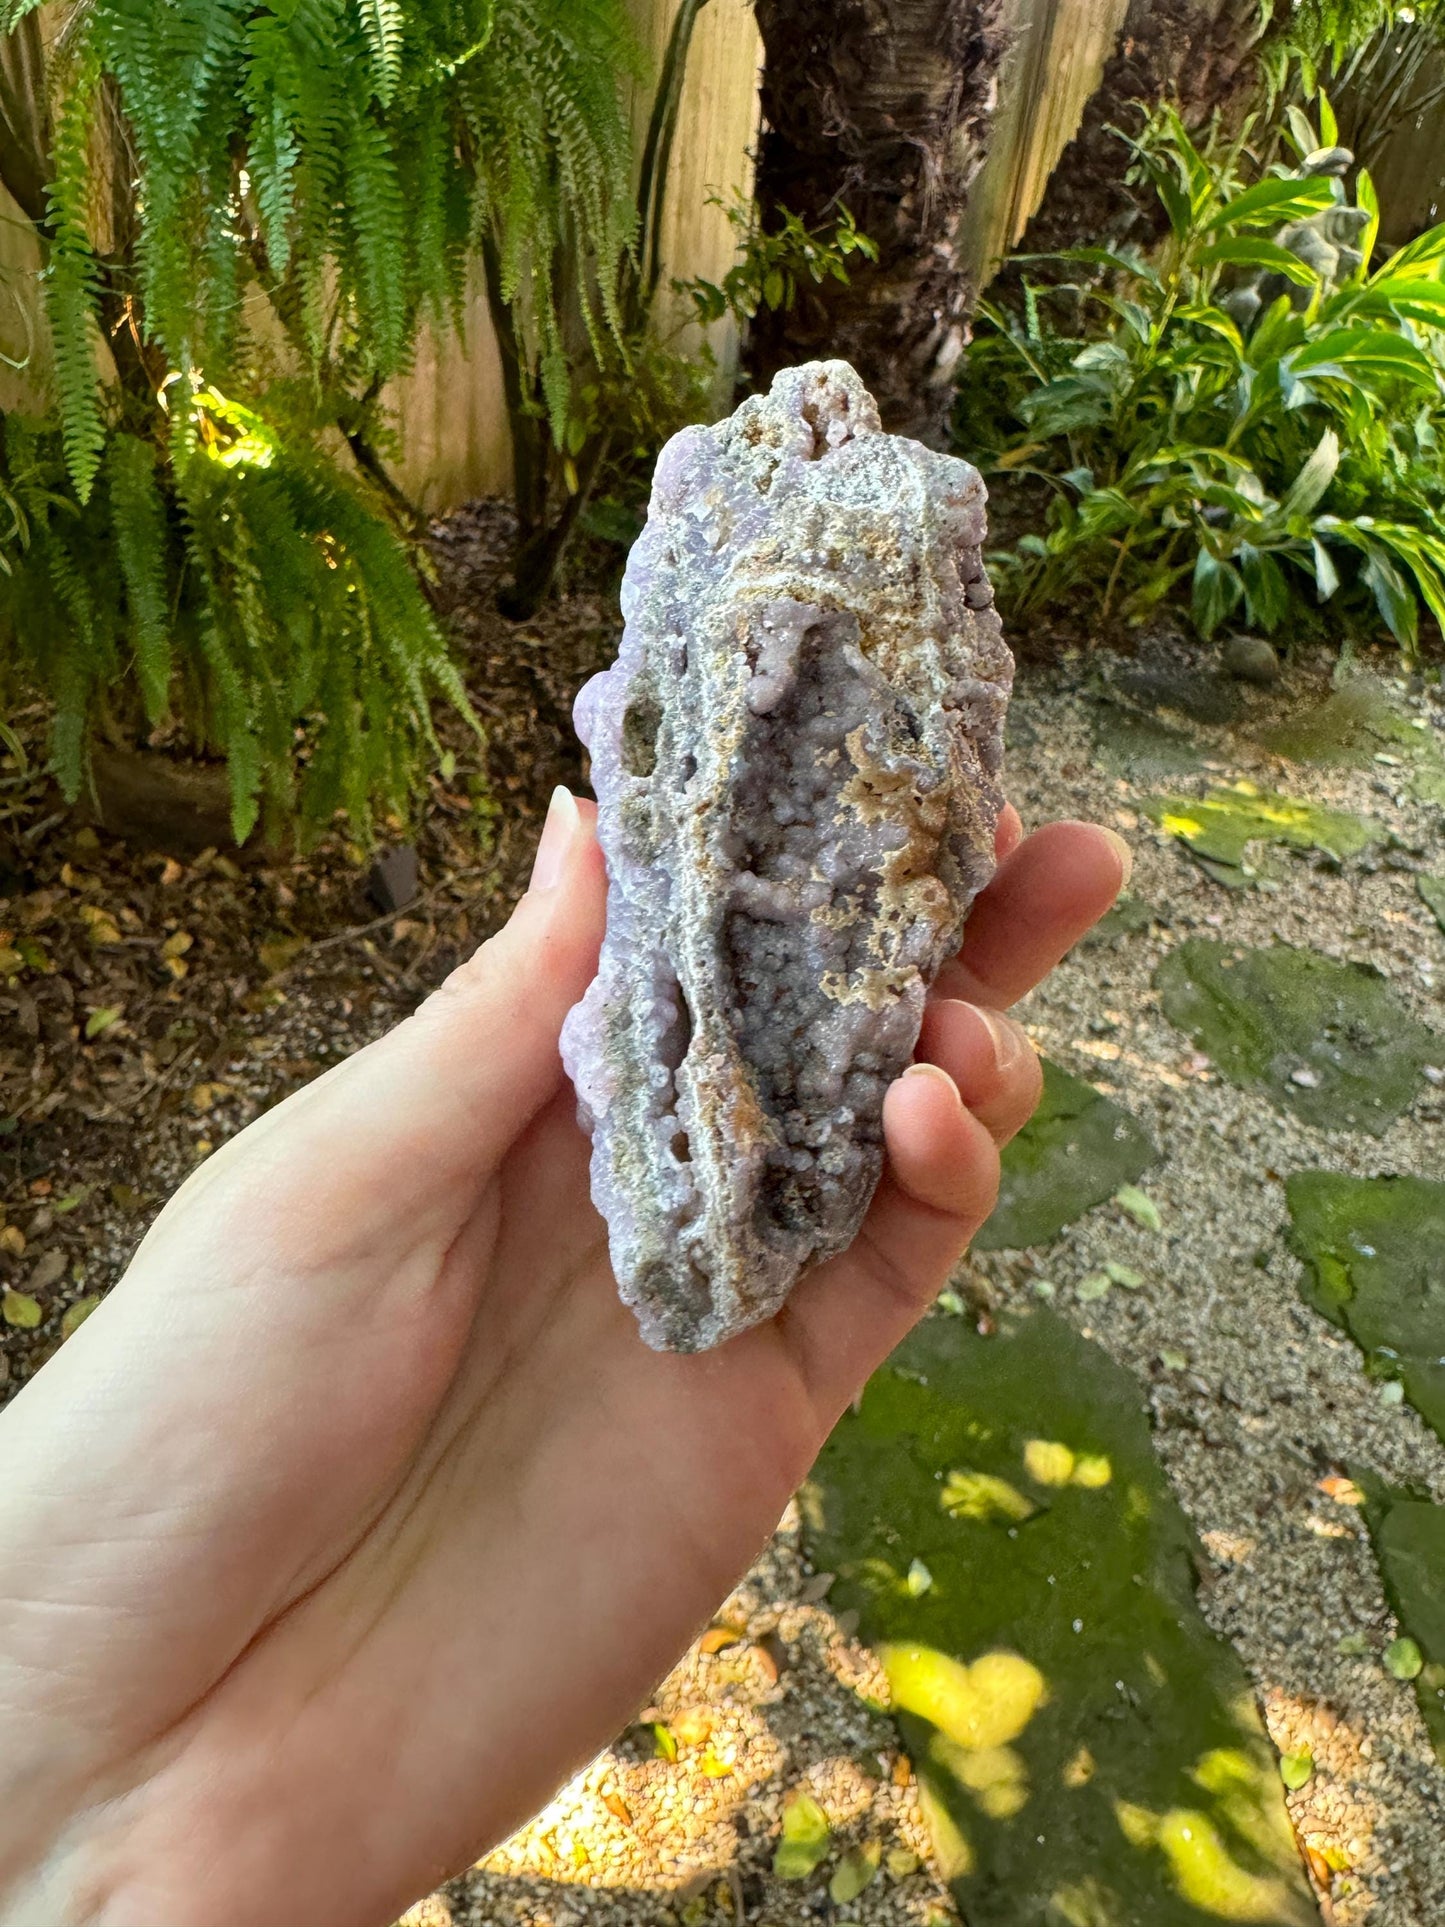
(72, 276)
(138, 517)
(256, 589)
(385, 30)
(342, 163)
(345, 156)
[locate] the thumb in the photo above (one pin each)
(455, 1085)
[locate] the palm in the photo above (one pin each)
(418, 1521)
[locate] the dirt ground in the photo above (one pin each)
(167, 1000)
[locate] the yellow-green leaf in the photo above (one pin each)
(853, 1872)
(20, 1310)
(277, 953)
(100, 1021)
(1140, 1207)
(806, 1838)
(1404, 1659)
(77, 1314)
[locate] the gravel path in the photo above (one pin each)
(1273, 1398)
(1270, 1400)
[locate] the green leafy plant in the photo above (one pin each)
(773, 263)
(662, 386)
(1303, 43)
(247, 212)
(1255, 421)
(245, 585)
(634, 383)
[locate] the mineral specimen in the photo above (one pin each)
(796, 760)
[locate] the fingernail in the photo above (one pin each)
(935, 1071)
(1010, 1043)
(563, 821)
(1126, 855)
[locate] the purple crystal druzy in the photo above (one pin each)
(796, 760)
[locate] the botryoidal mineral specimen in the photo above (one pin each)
(796, 758)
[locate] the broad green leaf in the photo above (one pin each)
(1243, 252)
(1404, 1659)
(1398, 609)
(1301, 133)
(853, 1872)
(76, 1314)
(1271, 203)
(1266, 588)
(1424, 249)
(1327, 576)
(1206, 315)
(1309, 487)
(1217, 592)
(1140, 1207)
(1364, 349)
(1329, 126)
(1369, 200)
(1297, 1769)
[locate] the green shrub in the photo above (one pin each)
(244, 584)
(1256, 419)
(637, 402)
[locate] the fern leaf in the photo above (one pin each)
(381, 22)
(138, 518)
(72, 274)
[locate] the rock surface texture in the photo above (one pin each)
(796, 757)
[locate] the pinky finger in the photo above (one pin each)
(940, 1185)
(943, 1174)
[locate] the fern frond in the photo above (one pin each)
(377, 219)
(72, 274)
(139, 520)
(381, 22)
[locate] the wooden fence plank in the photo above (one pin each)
(1058, 55)
(450, 409)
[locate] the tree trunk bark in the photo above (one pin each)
(1201, 57)
(884, 106)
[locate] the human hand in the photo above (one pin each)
(358, 1515)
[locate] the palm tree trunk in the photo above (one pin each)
(885, 108)
(1201, 58)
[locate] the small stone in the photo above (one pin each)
(391, 882)
(796, 759)
(1251, 659)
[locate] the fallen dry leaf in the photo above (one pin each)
(718, 1637)
(618, 1808)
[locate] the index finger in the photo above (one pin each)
(1043, 897)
